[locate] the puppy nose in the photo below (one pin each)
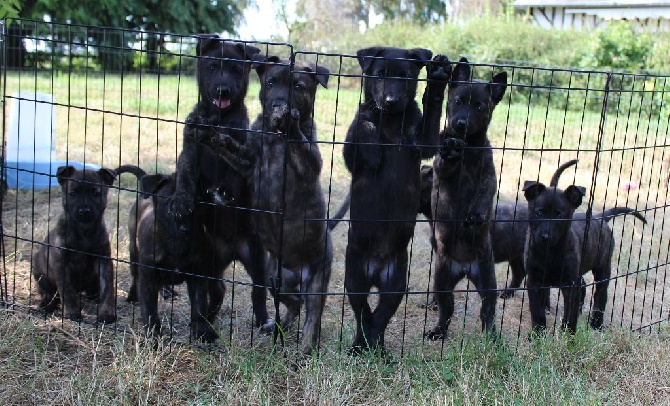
(84, 210)
(184, 228)
(461, 123)
(223, 90)
(390, 100)
(544, 236)
(279, 102)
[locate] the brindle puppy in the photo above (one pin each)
(286, 191)
(77, 257)
(162, 255)
(508, 230)
(561, 247)
(462, 197)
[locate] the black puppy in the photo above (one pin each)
(77, 258)
(463, 190)
(204, 175)
(508, 229)
(286, 191)
(561, 247)
(383, 153)
(163, 254)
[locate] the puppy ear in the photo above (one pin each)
(152, 183)
(248, 51)
(205, 43)
(422, 55)
(497, 86)
(461, 73)
(261, 63)
(574, 195)
(366, 56)
(320, 73)
(531, 189)
(63, 173)
(107, 175)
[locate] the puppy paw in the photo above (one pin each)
(203, 332)
(437, 333)
(221, 196)
(107, 318)
(474, 220)
(278, 117)
(74, 315)
(452, 148)
(439, 69)
(507, 293)
(268, 327)
(180, 205)
(430, 305)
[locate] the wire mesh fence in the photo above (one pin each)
(118, 97)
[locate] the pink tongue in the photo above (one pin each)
(222, 104)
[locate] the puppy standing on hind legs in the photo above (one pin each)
(285, 179)
(223, 69)
(385, 183)
(78, 257)
(464, 186)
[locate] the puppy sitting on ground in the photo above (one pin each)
(163, 254)
(383, 153)
(508, 229)
(286, 191)
(77, 257)
(561, 247)
(463, 190)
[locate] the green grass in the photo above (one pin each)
(44, 363)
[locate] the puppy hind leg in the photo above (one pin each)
(392, 288)
(315, 302)
(201, 329)
(107, 309)
(358, 286)
(485, 282)
(601, 276)
(445, 281)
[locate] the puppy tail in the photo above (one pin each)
(135, 170)
(559, 171)
(335, 220)
(613, 212)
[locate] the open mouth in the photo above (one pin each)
(221, 103)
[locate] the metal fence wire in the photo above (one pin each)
(101, 98)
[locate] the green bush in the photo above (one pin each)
(619, 46)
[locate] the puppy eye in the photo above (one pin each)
(480, 107)
(96, 192)
(212, 67)
(539, 213)
(298, 86)
(457, 101)
(269, 83)
(72, 193)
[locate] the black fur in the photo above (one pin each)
(384, 146)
